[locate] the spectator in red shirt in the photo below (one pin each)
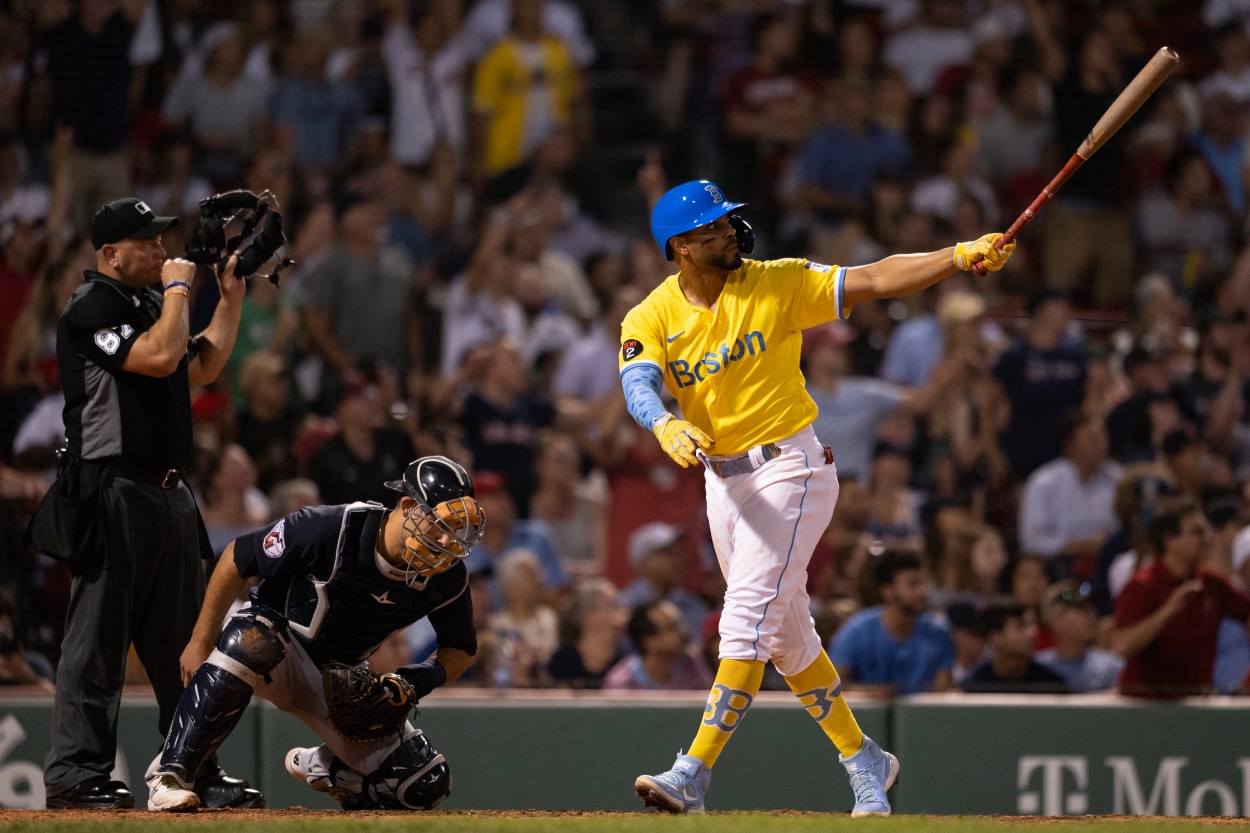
(1168, 616)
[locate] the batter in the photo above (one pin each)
(723, 335)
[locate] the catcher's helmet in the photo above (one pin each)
(432, 480)
(693, 204)
(446, 523)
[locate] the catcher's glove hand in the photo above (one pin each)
(365, 705)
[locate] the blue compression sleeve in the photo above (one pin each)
(641, 384)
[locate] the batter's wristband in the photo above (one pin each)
(176, 284)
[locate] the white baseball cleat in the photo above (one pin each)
(166, 794)
(319, 769)
(299, 765)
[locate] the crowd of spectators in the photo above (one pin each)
(1043, 473)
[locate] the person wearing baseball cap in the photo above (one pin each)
(656, 554)
(127, 218)
(127, 360)
(1069, 611)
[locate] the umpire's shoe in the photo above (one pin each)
(680, 790)
(872, 771)
(218, 790)
(95, 794)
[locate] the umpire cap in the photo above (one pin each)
(433, 480)
(127, 218)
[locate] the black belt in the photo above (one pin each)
(165, 478)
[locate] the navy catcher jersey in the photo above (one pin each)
(319, 568)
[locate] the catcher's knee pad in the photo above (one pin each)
(251, 644)
(413, 777)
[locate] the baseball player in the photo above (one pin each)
(335, 582)
(723, 335)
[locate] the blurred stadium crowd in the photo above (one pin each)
(467, 187)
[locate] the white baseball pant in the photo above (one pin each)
(764, 526)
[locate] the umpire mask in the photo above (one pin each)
(446, 522)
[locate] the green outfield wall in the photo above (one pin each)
(557, 750)
(1031, 755)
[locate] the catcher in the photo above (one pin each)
(335, 582)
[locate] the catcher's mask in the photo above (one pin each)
(446, 522)
(266, 254)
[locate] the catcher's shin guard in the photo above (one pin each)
(250, 646)
(413, 777)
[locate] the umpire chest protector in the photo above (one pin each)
(345, 607)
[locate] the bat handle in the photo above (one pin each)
(1001, 243)
(1029, 213)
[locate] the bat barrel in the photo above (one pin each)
(1121, 110)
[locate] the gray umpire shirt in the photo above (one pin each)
(109, 412)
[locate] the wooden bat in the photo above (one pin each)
(1120, 111)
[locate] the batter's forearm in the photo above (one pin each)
(897, 276)
(641, 385)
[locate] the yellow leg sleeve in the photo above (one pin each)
(737, 683)
(820, 690)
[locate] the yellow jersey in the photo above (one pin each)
(517, 83)
(734, 371)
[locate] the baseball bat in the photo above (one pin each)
(1121, 110)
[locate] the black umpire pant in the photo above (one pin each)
(147, 589)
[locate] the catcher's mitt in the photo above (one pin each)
(365, 705)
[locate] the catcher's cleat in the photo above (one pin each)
(166, 794)
(680, 790)
(302, 765)
(872, 771)
(308, 764)
(222, 791)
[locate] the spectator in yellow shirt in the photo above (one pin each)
(526, 86)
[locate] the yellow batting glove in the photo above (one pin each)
(680, 439)
(982, 251)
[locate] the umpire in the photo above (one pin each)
(120, 512)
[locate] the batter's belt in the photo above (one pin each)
(745, 463)
(752, 459)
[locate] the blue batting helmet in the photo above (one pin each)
(688, 206)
